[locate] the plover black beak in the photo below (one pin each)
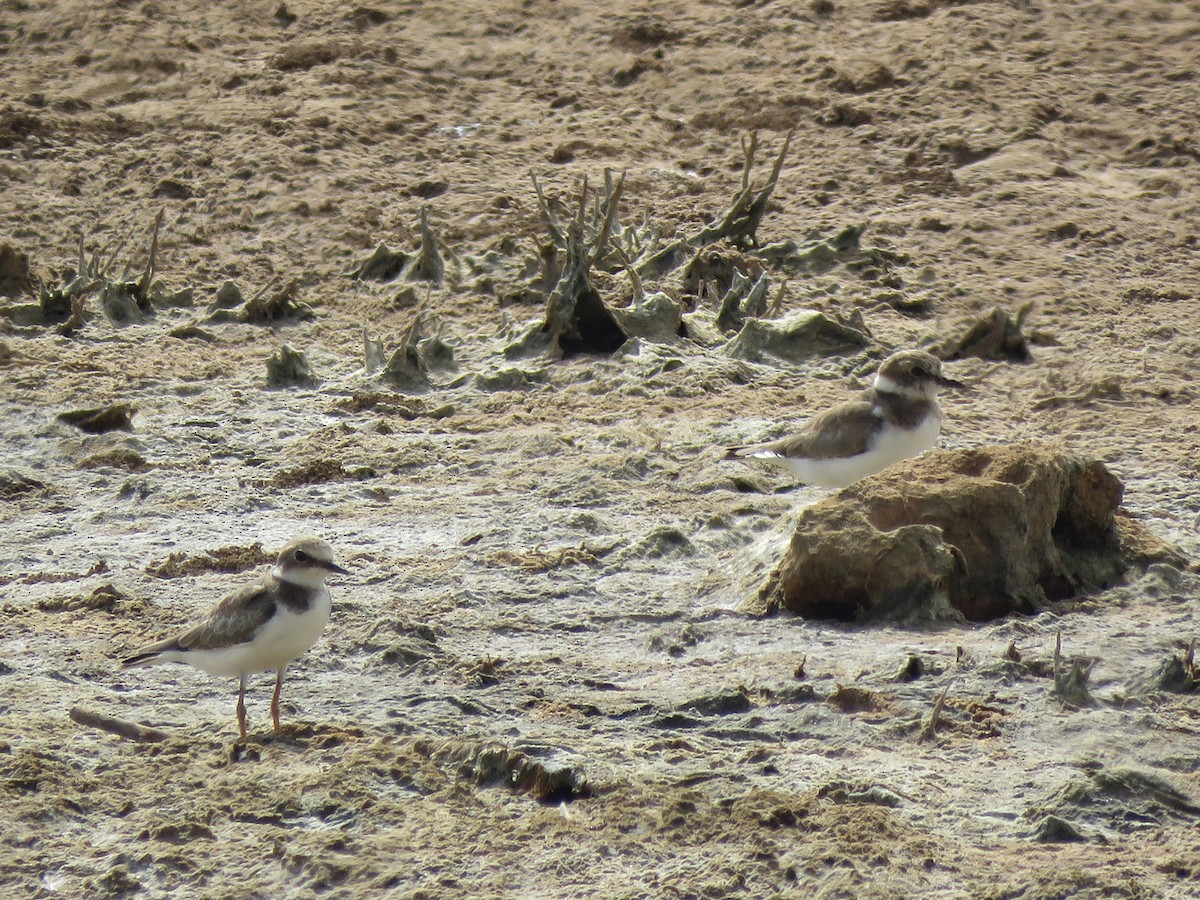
(331, 566)
(943, 381)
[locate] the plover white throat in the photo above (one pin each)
(896, 418)
(265, 625)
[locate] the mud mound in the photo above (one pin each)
(1112, 801)
(967, 533)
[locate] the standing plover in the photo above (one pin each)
(265, 625)
(896, 418)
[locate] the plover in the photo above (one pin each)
(265, 625)
(896, 418)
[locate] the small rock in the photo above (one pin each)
(1056, 830)
(15, 276)
(229, 296)
(913, 668)
(262, 309)
(429, 188)
(994, 336)
(875, 796)
(848, 698)
(384, 264)
(795, 338)
(667, 541)
(304, 55)
(117, 882)
(122, 302)
(1071, 681)
(227, 560)
(54, 308)
(405, 370)
(288, 367)
(268, 308)
(407, 652)
(657, 318)
(193, 332)
(321, 471)
(720, 704)
(745, 299)
(172, 189)
(119, 458)
(1172, 675)
(136, 489)
(547, 780)
(511, 379)
(714, 269)
(118, 417)
(164, 297)
(14, 484)
(435, 353)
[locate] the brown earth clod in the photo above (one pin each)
(967, 533)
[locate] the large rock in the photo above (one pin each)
(961, 533)
(795, 338)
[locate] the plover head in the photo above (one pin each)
(913, 373)
(306, 560)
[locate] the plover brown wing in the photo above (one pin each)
(233, 622)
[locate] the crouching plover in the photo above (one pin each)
(896, 418)
(265, 625)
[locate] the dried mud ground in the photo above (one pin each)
(547, 559)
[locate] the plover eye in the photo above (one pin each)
(301, 556)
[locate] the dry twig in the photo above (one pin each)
(131, 730)
(929, 727)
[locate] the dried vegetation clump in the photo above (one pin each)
(225, 560)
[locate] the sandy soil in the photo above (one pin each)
(548, 560)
